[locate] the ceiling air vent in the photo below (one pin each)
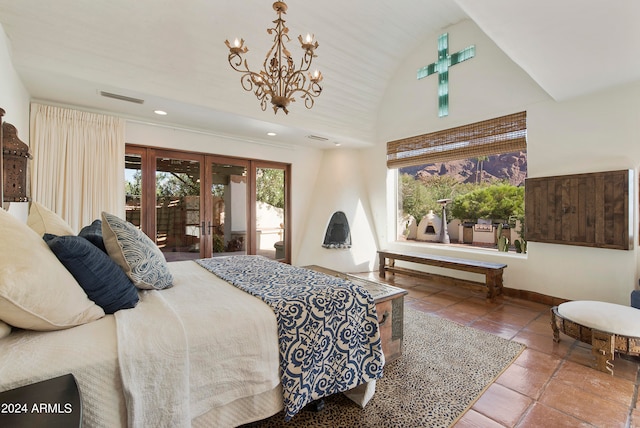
(121, 97)
(317, 138)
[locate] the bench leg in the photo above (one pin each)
(491, 285)
(499, 283)
(493, 282)
(382, 265)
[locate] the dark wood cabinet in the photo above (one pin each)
(591, 210)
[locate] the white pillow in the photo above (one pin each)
(5, 329)
(43, 220)
(36, 291)
(135, 253)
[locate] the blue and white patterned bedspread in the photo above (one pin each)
(328, 328)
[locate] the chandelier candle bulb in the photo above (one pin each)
(279, 82)
(308, 45)
(238, 47)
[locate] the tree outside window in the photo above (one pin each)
(485, 187)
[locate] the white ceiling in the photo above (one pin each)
(172, 55)
(569, 47)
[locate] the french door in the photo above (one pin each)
(226, 206)
(270, 210)
(195, 205)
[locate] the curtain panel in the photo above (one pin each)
(78, 163)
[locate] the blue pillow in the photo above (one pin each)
(93, 234)
(101, 278)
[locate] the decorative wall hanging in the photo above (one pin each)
(15, 154)
(2, 112)
(279, 81)
(442, 68)
(591, 210)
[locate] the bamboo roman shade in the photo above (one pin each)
(504, 134)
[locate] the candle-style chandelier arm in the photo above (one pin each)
(306, 85)
(251, 80)
(279, 81)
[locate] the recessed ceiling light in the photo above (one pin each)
(160, 112)
(271, 134)
(338, 144)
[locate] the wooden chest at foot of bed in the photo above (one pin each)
(391, 319)
(389, 302)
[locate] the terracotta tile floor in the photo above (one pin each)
(550, 384)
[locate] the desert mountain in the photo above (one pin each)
(509, 166)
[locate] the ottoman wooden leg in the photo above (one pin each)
(602, 347)
(554, 326)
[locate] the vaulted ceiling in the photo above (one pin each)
(171, 54)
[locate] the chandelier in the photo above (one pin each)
(279, 81)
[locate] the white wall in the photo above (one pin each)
(596, 132)
(15, 98)
(305, 163)
(340, 187)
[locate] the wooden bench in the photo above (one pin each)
(492, 271)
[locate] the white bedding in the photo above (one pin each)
(231, 379)
(217, 344)
(88, 351)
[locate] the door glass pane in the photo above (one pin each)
(133, 188)
(228, 223)
(178, 208)
(270, 214)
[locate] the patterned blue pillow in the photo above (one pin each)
(99, 276)
(135, 253)
(93, 234)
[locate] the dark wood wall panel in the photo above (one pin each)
(583, 209)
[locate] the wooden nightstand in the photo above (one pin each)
(389, 302)
(50, 403)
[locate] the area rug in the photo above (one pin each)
(443, 370)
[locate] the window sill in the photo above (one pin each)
(456, 250)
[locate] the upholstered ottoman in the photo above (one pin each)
(608, 327)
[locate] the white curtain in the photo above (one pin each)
(78, 163)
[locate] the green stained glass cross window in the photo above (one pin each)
(442, 68)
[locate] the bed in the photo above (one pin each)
(193, 351)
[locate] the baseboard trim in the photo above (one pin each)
(531, 296)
